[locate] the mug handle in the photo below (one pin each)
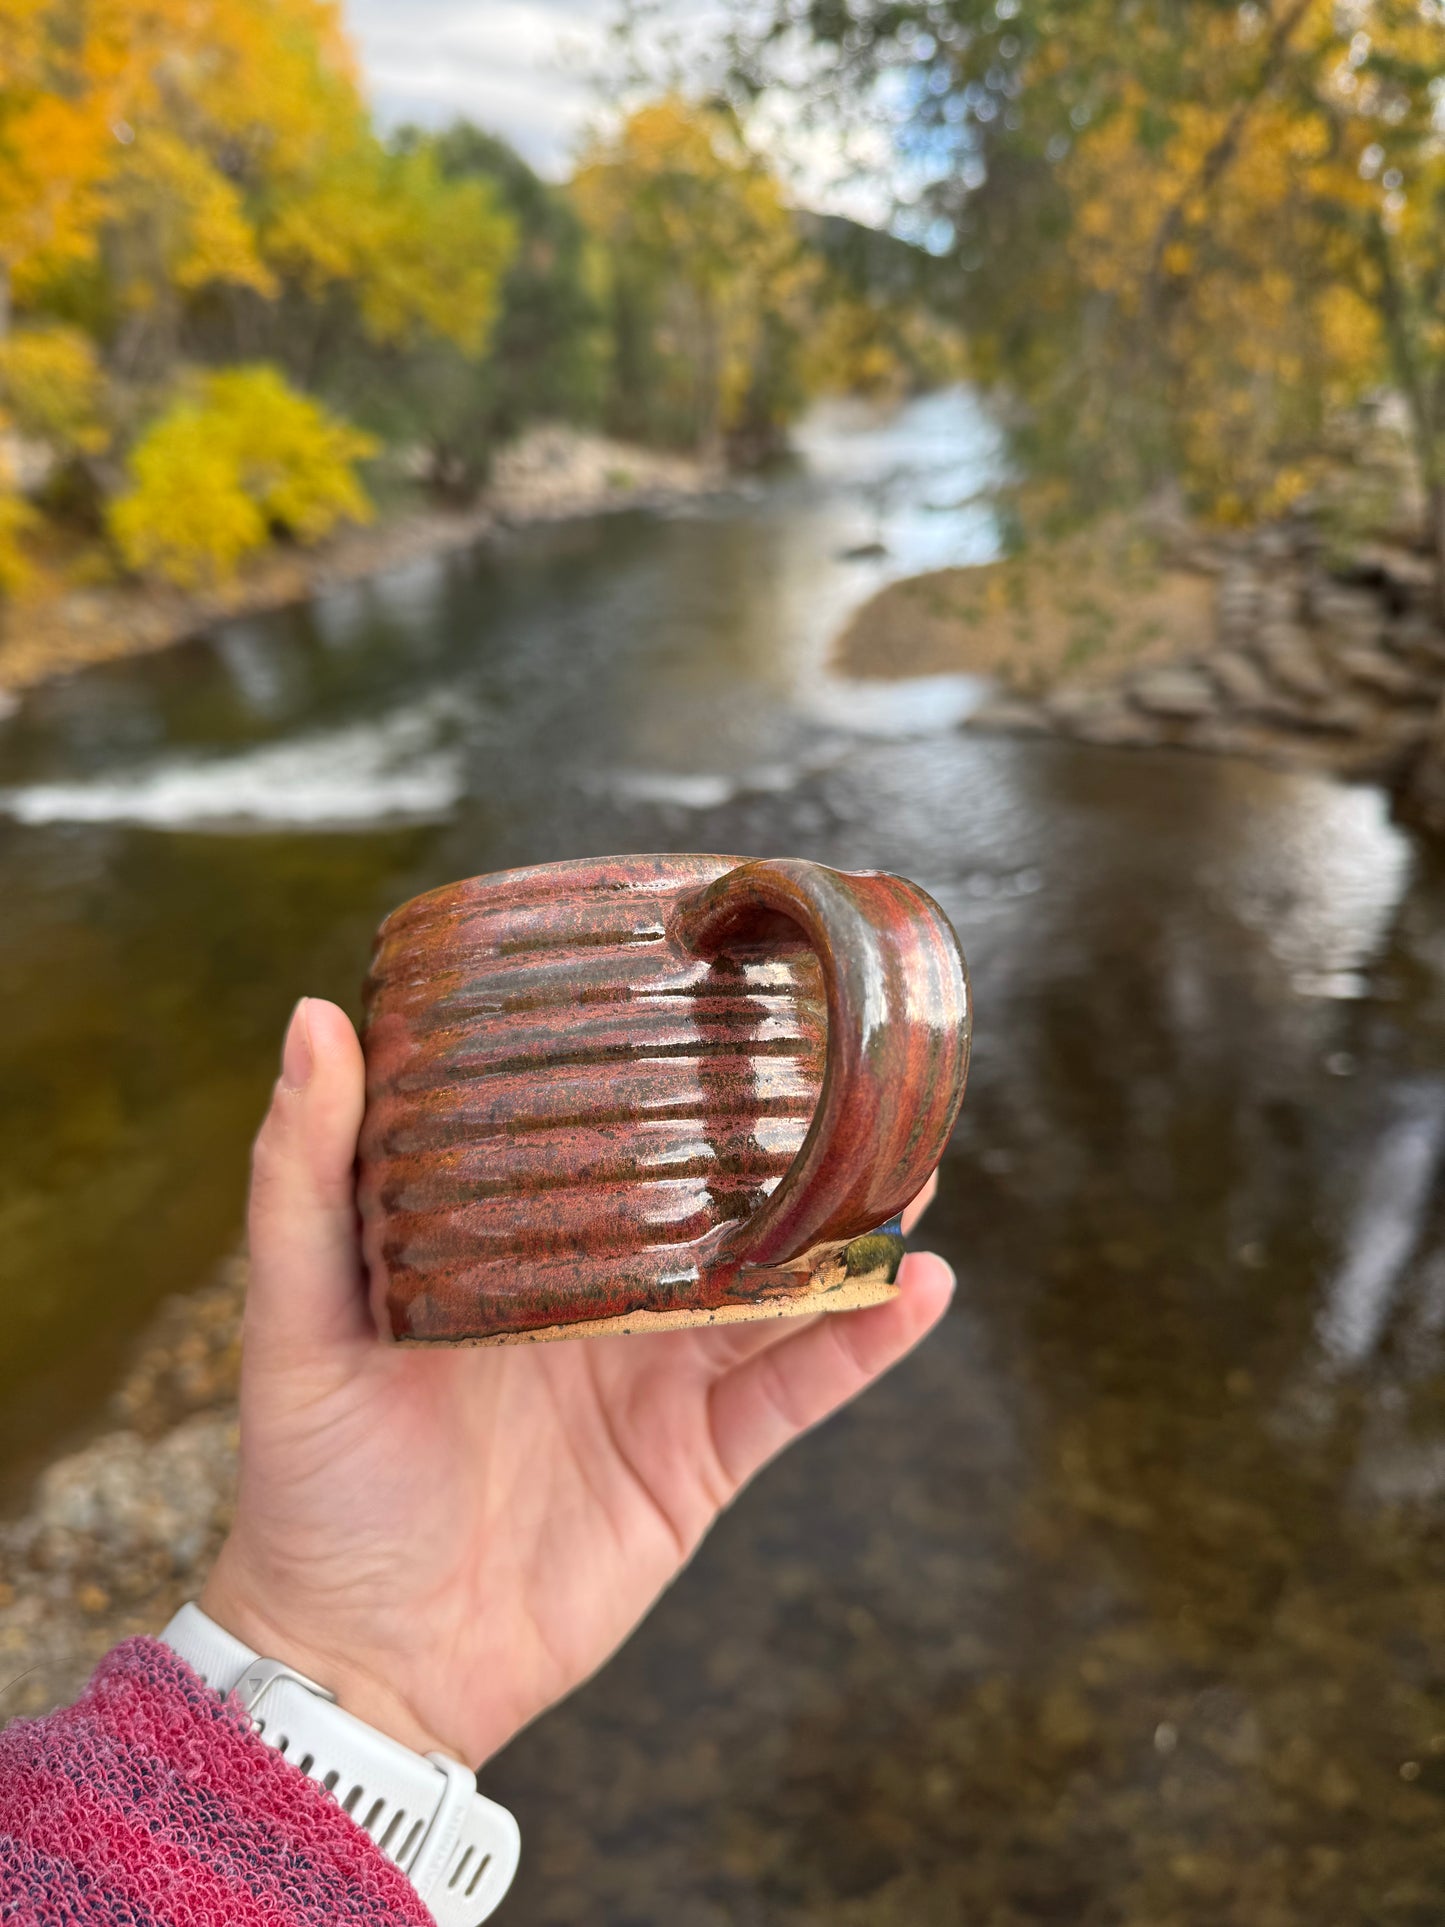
(898, 1040)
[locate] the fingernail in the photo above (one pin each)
(296, 1053)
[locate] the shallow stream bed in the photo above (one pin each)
(1124, 1601)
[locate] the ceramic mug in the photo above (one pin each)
(650, 1091)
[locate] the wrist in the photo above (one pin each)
(359, 1685)
(423, 1813)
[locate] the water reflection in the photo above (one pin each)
(1108, 1632)
(1395, 1188)
(914, 706)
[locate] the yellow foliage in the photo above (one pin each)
(52, 387)
(181, 222)
(679, 183)
(227, 141)
(421, 252)
(697, 239)
(188, 518)
(16, 519)
(55, 139)
(877, 348)
(218, 472)
(1230, 197)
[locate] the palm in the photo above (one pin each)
(462, 1536)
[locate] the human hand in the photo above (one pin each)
(451, 1540)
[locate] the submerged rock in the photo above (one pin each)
(125, 1499)
(119, 1532)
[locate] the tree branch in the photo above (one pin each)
(1224, 150)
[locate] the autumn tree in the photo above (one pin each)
(1382, 109)
(881, 325)
(544, 357)
(706, 277)
(64, 86)
(199, 182)
(241, 458)
(212, 163)
(1186, 236)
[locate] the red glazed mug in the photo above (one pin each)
(651, 1091)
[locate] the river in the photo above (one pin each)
(1124, 1601)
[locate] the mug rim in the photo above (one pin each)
(705, 867)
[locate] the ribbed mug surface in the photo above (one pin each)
(574, 1117)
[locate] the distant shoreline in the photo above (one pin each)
(1133, 636)
(553, 474)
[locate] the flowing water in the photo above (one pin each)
(1122, 1602)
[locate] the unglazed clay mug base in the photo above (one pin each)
(643, 1092)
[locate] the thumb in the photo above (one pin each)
(307, 1286)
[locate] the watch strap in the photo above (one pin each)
(458, 1849)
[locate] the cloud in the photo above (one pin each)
(518, 67)
(524, 69)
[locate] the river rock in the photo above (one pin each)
(1385, 674)
(555, 470)
(1419, 638)
(1114, 722)
(1178, 694)
(1342, 715)
(1239, 678)
(1101, 716)
(1234, 736)
(1065, 705)
(1274, 542)
(190, 1359)
(1338, 715)
(1289, 660)
(1358, 614)
(1423, 786)
(1281, 598)
(1391, 751)
(1237, 604)
(125, 1498)
(1403, 571)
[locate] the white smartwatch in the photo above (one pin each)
(458, 1849)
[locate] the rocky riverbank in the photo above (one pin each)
(552, 473)
(1260, 644)
(119, 1533)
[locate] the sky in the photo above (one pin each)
(524, 69)
(517, 67)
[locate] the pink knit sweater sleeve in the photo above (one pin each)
(151, 1803)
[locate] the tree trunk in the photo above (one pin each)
(708, 433)
(1422, 402)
